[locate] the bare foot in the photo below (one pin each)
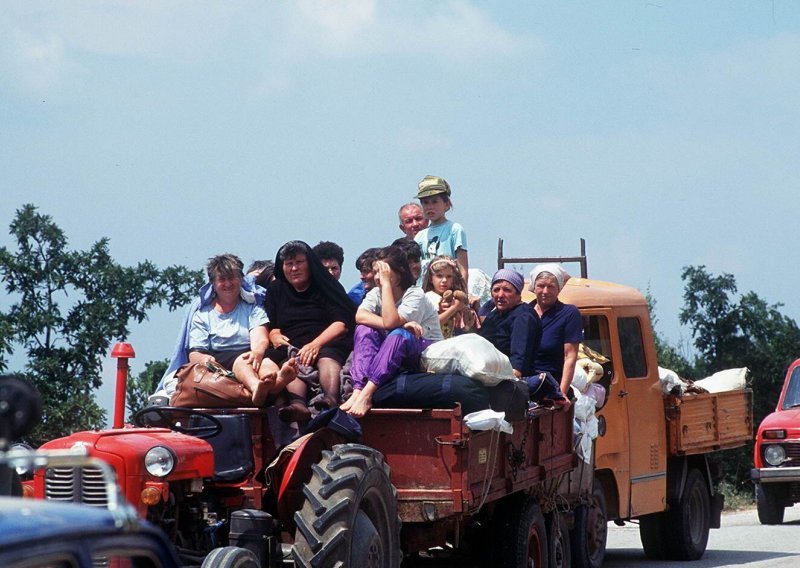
(348, 404)
(261, 392)
(360, 407)
(295, 412)
(287, 374)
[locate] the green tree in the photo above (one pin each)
(141, 386)
(746, 333)
(67, 307)
(669, 356)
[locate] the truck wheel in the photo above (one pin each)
(231, 557)
(558, 551)
(652, 529)
(688, 523)
(349, 514)
(588, 535)
(521, 532)
(770, 509)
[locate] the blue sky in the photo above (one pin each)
(664, 133)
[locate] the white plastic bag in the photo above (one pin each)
(671, 383)
(727, 380)
(488, 419)
(470, 355)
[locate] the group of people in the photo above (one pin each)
(288, 328)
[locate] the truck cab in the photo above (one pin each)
(650, 460)
(776, 453)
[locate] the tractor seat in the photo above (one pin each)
(233, 448)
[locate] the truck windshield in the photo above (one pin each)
(792, 397)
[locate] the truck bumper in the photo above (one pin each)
(775, 474)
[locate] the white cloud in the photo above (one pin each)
(36, 64)
(452, 30)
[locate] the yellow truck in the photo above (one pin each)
(651, 457)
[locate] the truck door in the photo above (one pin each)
(612, 447)
(645, 405)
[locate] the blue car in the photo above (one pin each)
(46, 534)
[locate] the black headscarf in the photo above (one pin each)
(321, 280)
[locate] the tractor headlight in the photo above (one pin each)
(159, 461)
(774, 455)
(24, 471)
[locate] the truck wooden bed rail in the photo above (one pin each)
(580, 259)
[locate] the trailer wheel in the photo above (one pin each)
(588, 535)
(231, 557)
(521, 532)
(768, 503)
(689, 521)
(349, 514)
(559, 551)
(651, 532)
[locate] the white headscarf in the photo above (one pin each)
(554, 269)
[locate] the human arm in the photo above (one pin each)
(526, 335)
(199, 340)
(462, 258)
(310, 351)
(389, 318)
(570, 358)
(277, 339)
(259, 341)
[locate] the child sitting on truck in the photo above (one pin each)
(446, 290)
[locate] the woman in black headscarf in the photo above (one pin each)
(309, 312)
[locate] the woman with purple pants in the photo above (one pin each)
(395, 323)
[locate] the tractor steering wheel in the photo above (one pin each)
(184, 420)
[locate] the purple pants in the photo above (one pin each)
(379, 356)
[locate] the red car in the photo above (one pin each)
(777, 454)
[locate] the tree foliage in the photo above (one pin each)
(67, 307)
(730, 333)
(141, 386)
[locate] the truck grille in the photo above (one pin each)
(76, 485)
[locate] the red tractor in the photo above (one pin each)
(216, 484)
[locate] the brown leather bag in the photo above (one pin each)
(205, 385)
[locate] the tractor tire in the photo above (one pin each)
(521, 533)
(231, 557)
(688, 522)
(559, 551)
(652, 529)
(349, 514)
(588, 535)
(768, 503)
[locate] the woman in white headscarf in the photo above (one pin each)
(562, 328)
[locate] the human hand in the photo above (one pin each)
(255, 358)
(308, 354)
(278, 340)
(383, 273)
(414, 328)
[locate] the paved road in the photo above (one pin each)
(741, 542)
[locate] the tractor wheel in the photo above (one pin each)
(349, 514)
(770, 508)
(559, 550)
(588, 535)
(689, 521)
(651, 532)
(521, 533)
(231, 557)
